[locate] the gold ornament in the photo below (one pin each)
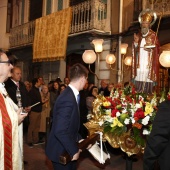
(112, 139)
(128, 144)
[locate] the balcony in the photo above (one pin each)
(87, 16)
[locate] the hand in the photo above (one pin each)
(27, 109)
(76, 156)
(81, 140)
(21, 116)
(89, 146)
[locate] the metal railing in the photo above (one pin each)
(159, 6)
(86, 16)
(22, 35)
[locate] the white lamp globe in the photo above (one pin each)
(128, 61)
(89, 56)
(98, 45)
(110, 58)
(123, 48)
(164, 59)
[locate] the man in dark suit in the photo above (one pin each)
(158, 144)
(66, 120)
(12, 84)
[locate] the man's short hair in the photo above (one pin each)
(13, 58)
(34, 81)
(77, 71)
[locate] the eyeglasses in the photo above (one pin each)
(8, 62)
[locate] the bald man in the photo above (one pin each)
(13, 83)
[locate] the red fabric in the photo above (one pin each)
(7, 126)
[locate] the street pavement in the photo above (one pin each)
(37, 160)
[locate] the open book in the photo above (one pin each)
(97, 152)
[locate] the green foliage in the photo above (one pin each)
(138, 138)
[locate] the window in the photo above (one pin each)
(60, 5)
(75, 2)
(48, 7)
(35, 9)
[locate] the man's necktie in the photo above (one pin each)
(17, 83)
(7, 126)
(18, 95)
(78, 99)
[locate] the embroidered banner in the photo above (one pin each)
(51, 33)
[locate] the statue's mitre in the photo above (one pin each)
(148, 16)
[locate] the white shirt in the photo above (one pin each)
(75, 91)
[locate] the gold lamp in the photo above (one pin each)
(110, 59)
(123, 48)
(89, 57)
(128, 61)
(98, 45)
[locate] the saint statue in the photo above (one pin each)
(145, 52)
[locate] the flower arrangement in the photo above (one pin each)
(124, 111)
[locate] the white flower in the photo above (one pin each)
(101, 123)
(137, 105)
(133, 120)
(109, 119)
(141, 98)
(124, 111)
(108, 112)
(127, 121)
(154, 101)
(145, 120)
(117, 114)
(161, 100)
(89, 116)
(146, 132)
(132, 112)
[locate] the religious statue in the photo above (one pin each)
(145, 52)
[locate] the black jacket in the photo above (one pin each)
(35, 97)
(11, 88)
(158, 144)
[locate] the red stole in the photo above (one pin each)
(7, 126)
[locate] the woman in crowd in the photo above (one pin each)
(27, 85)
(90, 98)
(45, 97)
(62, 88)
(54, 94)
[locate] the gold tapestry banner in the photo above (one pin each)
(51, 33)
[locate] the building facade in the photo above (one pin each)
(111, 20)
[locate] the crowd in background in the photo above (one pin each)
(36, 125)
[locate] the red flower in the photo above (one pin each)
(139, 114)
(168, 96)
(133, 91)
(114, 112)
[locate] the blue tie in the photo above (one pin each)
(78, 99)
